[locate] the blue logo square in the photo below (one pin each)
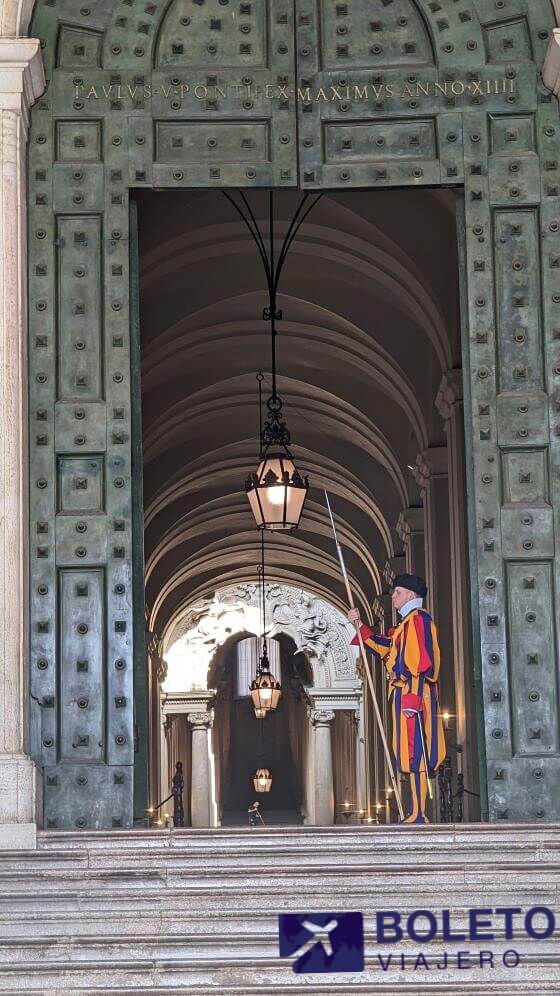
(323, 942)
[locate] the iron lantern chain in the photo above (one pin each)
(263, 659)
(275, 431)
(252, 225)
(260, 378)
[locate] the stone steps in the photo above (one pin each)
(170, 911)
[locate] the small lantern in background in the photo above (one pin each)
(262, 780)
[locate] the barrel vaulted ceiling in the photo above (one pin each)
(370, 303)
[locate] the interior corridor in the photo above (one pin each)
(369, 357)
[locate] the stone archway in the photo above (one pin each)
(333, 696)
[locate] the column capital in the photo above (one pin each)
(22, 75)
(551, 67)
(450, 392)
(430, 463)
(181, 703)
(411, 520)
(200, 720)
(321, 717)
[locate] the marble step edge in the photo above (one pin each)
(197, 851)
(366, 897)
(15, 871)
(252, 865)
(82, 911)
(267, 962)
(86, 925)
(492, 850)
(266, 968)
(246, 948)
(322, 988)
(177, 882)
(396, 834)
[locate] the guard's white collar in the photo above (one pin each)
(413, 603)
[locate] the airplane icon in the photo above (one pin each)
(322, 942)
(321, 936)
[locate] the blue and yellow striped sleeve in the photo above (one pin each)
(379, 645)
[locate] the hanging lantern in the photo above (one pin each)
(277, 491)
(262, 780)
(265, 690)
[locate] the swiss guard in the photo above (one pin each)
(411, 655)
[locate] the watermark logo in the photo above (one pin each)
(323, 942)
(334, 942)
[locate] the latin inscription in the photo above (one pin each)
(403, 90)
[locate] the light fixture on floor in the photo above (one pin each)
(262, 780)
(276, 490)
(265, 689)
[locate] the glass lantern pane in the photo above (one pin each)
(255, 507)
(296, 499)
(273, 500)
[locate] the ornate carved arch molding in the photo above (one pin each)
(317, 628)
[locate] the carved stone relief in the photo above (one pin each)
(318, 630)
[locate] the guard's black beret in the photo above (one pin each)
(413, 582)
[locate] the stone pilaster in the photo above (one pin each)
(203, 803)
(410, 530)
(22, 81)
(449, 402)
(321, 720)
(432, 476)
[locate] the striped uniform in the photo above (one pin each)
(412, 658)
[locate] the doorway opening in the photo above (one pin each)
(370, 371)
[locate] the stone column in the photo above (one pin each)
(363, 796)
(321, 720)
(165, 774)
(309, 776)
(22, 81)
(384, 615)
(410, 529)
(203, 803)
(449, 403)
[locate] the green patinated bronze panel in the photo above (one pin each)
(135, 97)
